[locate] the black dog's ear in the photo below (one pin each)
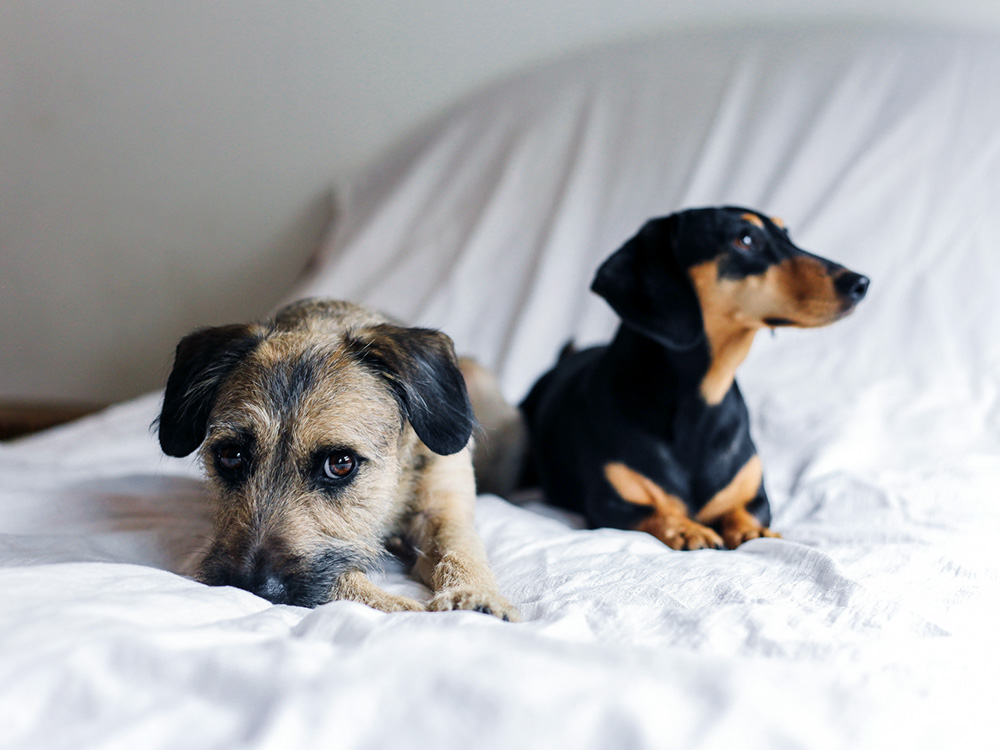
(203, 361)
(421, 367)
(645, 284)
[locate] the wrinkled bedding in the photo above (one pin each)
(871, 623)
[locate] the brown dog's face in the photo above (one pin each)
(305, 441)
(303, 452)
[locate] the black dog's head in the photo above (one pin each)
(684, 274)
(714, 277)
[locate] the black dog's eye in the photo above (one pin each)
(744, 242)
(340, 465)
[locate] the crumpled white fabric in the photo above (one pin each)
(870, 624)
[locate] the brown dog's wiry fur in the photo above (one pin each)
(325, 433)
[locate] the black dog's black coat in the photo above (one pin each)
(597, 407)
(639, 400)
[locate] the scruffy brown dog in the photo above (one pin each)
(326, 433)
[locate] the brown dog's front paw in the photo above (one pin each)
(475, 600)
(386, 602)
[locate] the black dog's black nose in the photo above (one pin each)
(852, 285)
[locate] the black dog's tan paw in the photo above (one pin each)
(694, 536)
(682, 533)
(475, 600)
(734, 537)
(739, 526)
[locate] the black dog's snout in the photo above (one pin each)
(852, 285)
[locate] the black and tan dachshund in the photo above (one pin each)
(650, 432)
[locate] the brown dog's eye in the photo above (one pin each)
(744, 242)
(231, 458)
(340, 465)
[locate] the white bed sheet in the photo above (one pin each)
(871, 624)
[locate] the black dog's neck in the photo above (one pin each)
(653, 376)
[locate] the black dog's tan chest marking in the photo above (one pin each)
(729, 337)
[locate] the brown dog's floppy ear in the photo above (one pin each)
(645, 284)
(203, 361)
(421, 367)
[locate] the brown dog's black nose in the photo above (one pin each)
(852, 285)
(268, 583)
(259, 576)
(278, 576)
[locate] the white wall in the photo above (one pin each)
(166, 164)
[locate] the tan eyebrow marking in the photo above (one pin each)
(779, 222)
(753, 219)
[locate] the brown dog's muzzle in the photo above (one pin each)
(261, 572)
(280, 577)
